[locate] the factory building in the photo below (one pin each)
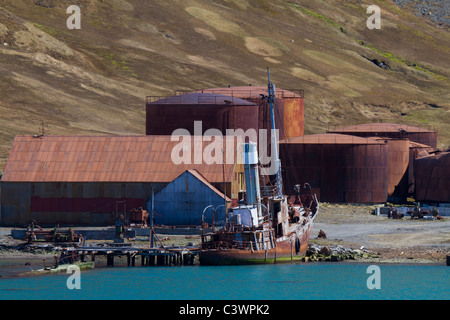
(89, 180)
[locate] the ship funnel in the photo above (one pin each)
(253, 192)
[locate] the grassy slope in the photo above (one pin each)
(94, 80)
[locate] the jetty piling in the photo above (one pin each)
(174, 256)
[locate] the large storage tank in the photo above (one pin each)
(339, 168)
(289, 116)
(215, 111)
(432, 177)
(398, 162)
(391, 130)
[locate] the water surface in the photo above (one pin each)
(315, 281)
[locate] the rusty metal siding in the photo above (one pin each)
(67, 203)
(391, 130)
(183, 200)
(181, 111)
(398, 161)
(341, 171)
(427, 138)
(15, 203)
(165, 119)
(293, 117)
(289, 117)
(432, 177)
(165, 115)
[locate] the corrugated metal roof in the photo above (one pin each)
(379, 127)
(102, 159)
(332, 138)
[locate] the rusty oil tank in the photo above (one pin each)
(289, 116)
(390, 130)
(339, 168)
(432, 178)
(215, 111)
(398, 162)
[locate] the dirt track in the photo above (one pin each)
(413, 240)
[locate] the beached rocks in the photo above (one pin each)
(8, 249)
(335, 253)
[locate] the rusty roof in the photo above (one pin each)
(379, 127)
(332, 138)
(200, 98)
(102, 159)
(252, 92)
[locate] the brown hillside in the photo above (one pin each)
(94, 80)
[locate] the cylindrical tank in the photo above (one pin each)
(215, 111)
(432, 177)
(398, 161)
(289, 116)
(339, 168)
(391, 130)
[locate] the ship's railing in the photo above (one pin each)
(210, 99)
(266, 243)
(267, 191)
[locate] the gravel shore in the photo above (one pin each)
(348, 226)
(402, 240)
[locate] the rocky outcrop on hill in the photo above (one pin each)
(437, 10)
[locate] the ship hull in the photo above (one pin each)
(287, 250)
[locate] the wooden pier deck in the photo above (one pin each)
(170, 256)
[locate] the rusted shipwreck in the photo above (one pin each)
(266, 228)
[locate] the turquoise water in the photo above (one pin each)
(331, 281)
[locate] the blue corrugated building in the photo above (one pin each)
(183, 200)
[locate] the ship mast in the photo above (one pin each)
(271, 99)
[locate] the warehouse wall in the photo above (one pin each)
(183, 200)
(89, 203)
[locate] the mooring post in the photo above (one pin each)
(152, 260)
(292, 249)
(110, 260)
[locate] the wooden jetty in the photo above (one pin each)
(171, 256)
